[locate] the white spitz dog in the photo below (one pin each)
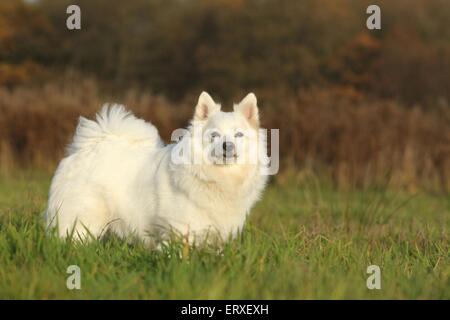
(119, 176)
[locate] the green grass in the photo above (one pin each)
(303, 241)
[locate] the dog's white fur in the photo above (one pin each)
(118, 176)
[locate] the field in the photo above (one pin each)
(364, 142)
(305, 240)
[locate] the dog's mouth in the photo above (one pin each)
(224, 154)
(225, 159)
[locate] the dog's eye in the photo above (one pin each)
(238, 135)
(215, 134)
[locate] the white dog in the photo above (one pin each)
(119, 176)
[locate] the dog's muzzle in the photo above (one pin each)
(229, 149)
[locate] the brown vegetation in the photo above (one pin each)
(176, 47)
(359, 106)
(334, 131)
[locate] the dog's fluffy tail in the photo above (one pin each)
(113, 121)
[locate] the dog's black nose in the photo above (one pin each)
(228, 147)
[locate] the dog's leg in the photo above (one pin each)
(83, 221)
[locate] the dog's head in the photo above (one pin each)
(227, 138)
(220, 144)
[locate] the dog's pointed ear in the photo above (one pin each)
(206, 107)
(248, 107)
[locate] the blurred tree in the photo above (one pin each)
(177, 47)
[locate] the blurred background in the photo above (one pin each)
(359, 107)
